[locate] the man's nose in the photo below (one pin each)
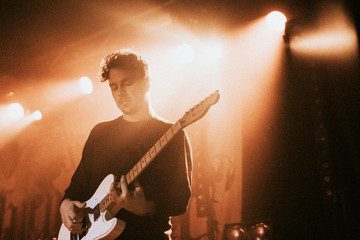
(121, 91)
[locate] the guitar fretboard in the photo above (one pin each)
(143, 163)
(152, 153)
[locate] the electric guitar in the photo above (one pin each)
(99, 218)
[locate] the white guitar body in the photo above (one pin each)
(105, 226)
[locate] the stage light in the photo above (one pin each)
(260, 231)
(331, 36)
(15, 111)
(254, 230)
(235, 232)
(85, 85)
(276, 21)
(37, 115)
(185, 53)
(336, 42)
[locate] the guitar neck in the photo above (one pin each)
(145, 161)
(154, 151)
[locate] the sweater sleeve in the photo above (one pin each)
(79, 185)
(172, 187)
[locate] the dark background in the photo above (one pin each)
(31, 30)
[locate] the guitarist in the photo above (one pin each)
(115, 146)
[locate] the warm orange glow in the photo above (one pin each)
(329, 42)
(210, 52)
(255, 84)
(9, 130)
(49, 97)
(334, 35)
(187, 71)
(52, 94)
(185, 68)
(185, 54)
(260, 52)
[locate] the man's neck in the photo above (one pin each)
(147, 112)
(137, 117)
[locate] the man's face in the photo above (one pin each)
(128, 92)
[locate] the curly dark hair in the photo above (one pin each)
(124, 59)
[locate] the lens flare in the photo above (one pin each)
(86, 85)
(37, 115)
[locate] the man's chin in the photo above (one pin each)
(125, 110)
(123, 107)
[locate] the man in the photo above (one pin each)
(114, 147)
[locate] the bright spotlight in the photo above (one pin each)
(15, 111)
(185, 53)
(276, 21)
(37, 115)
(85, 85)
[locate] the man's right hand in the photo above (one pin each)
(72, 213)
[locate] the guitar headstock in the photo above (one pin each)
(199, 110)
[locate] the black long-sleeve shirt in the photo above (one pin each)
(114, 147)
